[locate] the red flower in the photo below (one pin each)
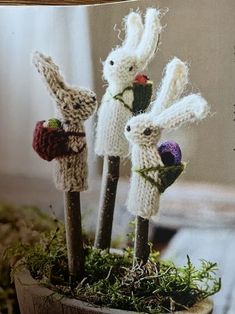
(141, 79)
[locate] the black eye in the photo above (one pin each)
(128, 128)
(147, 131)
(131, 68)
(111, 62)
(94, 98)
(76, 106)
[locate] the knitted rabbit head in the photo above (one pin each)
(145, 129)
(123, 63)
(142, 131)
(73, 104)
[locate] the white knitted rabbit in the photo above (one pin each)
(144, 132)
(120, 69)
(73, 107)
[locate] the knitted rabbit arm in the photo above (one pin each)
(191, 108)
(172, 85)
(72, 103)
(166, 175)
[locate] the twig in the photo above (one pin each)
(73, 226)
(107, 202)
(141, 247)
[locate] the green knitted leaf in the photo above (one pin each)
(119, 97)
(53, 123)
(142, 97)
(166, 177)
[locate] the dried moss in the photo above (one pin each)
(111, 280)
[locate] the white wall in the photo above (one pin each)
(60, 32)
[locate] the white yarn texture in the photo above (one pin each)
(144, 131)
(73, 107)
(120, 69)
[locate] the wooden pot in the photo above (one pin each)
(36, 299)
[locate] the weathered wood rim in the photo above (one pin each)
(36, 299)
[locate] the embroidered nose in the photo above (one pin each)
(128, 128)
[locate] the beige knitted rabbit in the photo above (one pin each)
(73, 107)
(120, 69)
(144, 131)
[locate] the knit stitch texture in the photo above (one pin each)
(73, 107)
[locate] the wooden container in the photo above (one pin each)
(36, 299)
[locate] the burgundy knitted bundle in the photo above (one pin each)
(50, 143)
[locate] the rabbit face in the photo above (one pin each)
(120, 67)
(141, 130)
(82, 107)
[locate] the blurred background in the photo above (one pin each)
(78, 39)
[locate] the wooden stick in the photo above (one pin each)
(141, 246)
(73, 226)
(107, 202)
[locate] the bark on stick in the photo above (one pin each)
(107, 202)
(73, 226)
(141, 246)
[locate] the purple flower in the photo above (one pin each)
(170, 153)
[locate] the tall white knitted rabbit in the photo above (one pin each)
(73, 107)
(120, 69)
(144, 132)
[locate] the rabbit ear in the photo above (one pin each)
(134, 30)
(189, 109)
(83, 101)
(172, 86)
(51, 76)
(150, 37)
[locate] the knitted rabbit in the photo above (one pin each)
(120, 69)
(73, 107)
(144, 132)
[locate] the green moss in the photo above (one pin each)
(111, 280)
(17, 225)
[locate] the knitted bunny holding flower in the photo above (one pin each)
(144, 132)
(64, 141)
(120, 69)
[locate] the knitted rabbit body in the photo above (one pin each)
(144, 131)
(120, 69)
(73, 107)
